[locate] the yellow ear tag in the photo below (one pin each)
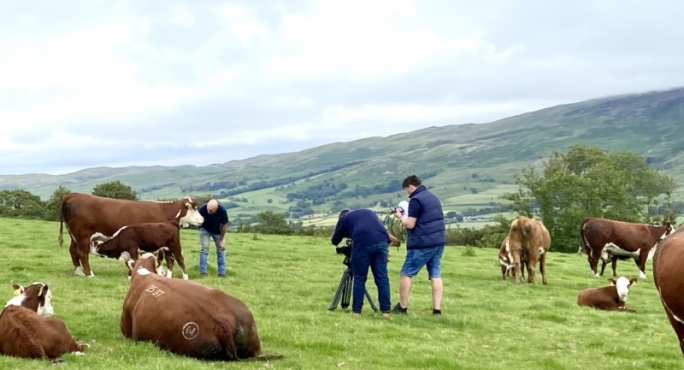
(17, 291)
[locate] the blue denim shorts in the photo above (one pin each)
(417, 258)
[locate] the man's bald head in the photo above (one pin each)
(212, 206)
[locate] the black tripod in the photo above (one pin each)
(344, 291)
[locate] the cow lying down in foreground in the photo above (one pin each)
(188, 318)
(28, 331)
(129, 241)
(610, 298)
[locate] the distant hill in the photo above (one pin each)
(467, 165)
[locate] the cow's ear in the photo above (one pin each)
(43, 290)
(18, 289)
(633, 281)
(611, 282)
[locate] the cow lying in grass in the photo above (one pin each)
(610, 298)
(188, 318)
(28, 331)
(128, 241)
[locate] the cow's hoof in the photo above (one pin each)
(185, 276)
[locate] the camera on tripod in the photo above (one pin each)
(345, 249)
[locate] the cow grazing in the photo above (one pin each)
(529, 237)
(146, 237)
(506, 260)
(610, 298)
(606, 239)
(187, 318)
(86, 215)
(668, 264)
(28, 331)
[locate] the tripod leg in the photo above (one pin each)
(346, 293)
(339, 292)
(370, 300)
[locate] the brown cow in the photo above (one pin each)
(605, 239)
(145, 237)
(86, 214)
(506, 260)
(530, 237)
(28, 331)
(610, 298)
(668, 264)
(187, 318)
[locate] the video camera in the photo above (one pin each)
(345, 249)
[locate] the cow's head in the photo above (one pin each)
(36, 297)
(189, 214)
(622, 285)
(145, 265)
(99, 247)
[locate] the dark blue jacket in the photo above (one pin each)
(214, 222)
(362, 226)
(430, 230)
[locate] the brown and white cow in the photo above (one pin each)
(188, 318)
(529, 237)
(610, 298)
(86, 215)
(27, 329)
(605, 239)
(668, 265)
(506, 260)
(127, 242)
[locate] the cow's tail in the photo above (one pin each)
(584, 243)
(60, 239)
(264, 358)
(225, 337)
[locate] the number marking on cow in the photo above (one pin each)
(190, 331)
(154, 290)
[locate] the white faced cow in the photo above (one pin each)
(85, 215)
(605, 239)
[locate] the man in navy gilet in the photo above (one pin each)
(425, 242)
(370, 249)
(214, 226)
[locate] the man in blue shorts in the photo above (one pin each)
(425, 242)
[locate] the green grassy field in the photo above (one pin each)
(288, 283)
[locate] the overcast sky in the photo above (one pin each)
(117, 83)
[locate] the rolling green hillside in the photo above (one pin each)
(467, 165)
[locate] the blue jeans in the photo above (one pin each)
(375, 257)
(204, 252)
(417, 258)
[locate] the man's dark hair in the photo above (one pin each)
(342, 213)
(411, 180)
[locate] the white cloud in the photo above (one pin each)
(180, 84)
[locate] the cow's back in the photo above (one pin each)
(598, 232)
(86, 214)
(190, 319)
(668, 264)
(29, 335)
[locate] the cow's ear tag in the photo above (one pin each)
(17, 291)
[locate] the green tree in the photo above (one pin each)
(587, 181)
(21, 204)
(52, 206)
(273, 223)
(115, 189)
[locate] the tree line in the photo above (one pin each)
(560, 191)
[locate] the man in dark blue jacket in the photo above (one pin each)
(425, 242)
(370, 249)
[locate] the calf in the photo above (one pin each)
(128, 241)
(506, 260)
(610, 298)
(187, 318)
(28, 331)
